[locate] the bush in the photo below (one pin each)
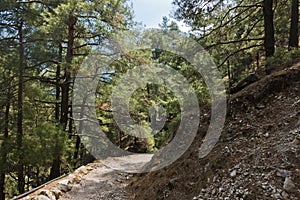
(281, 59)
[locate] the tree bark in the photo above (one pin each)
(67, 73)
(294, 29)
(269, 39)
(4, 149)
(79, 131)
(2, 184)
(65, 90)
(57, 86)
(20, 166)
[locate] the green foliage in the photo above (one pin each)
(233, 32)
(46, 43)
(282, 58)
(144, 103)
(48, 141)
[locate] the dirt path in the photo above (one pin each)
(105, 182)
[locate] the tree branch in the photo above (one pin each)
(234, 41)
(243, 49)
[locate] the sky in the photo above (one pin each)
(151, 12)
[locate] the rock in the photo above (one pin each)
(226, 149)
(265, 185)
(214, 191)
(233, 173)
(260, 106)
(221, 189)
(285, 195)
(48, 194)
(83, 170)
(278, 196)
(63, 187)
(57, 193)
(64, 182)
(237, 166)
(267, 135)
(246, 173)
(296, 141)
(289, 185)
(215, 179)
(283, 173)
(42, 197)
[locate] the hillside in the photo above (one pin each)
(257, 157)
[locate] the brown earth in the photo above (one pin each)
(257, 153)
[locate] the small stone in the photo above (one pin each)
(237, 166)
(73, 178)
(213, 192)
(289, 185)
(233, 173)
(246, 173)
(63, 188)
(260, 106)
(265, 187)
(260, 134)
(221, 189)
(285, 195)
(283, 173)
(296, 141)
(227, 149)
(57, 193)
(267, 135)
(47, 193)
(215, 179)
(42, 197)
(82, 170)
(64, 182)
(278, 196)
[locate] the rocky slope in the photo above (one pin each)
(257, 157)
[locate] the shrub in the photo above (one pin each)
(281, 59)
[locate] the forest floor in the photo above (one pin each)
(257, 156)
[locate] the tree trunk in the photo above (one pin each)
(67, 73)
(4, 149)
(2, 184)
(20, 166)
(79, 130)
(269, 41)
(55, 168)
(294, 30)
(65, 89)
(57, 77)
